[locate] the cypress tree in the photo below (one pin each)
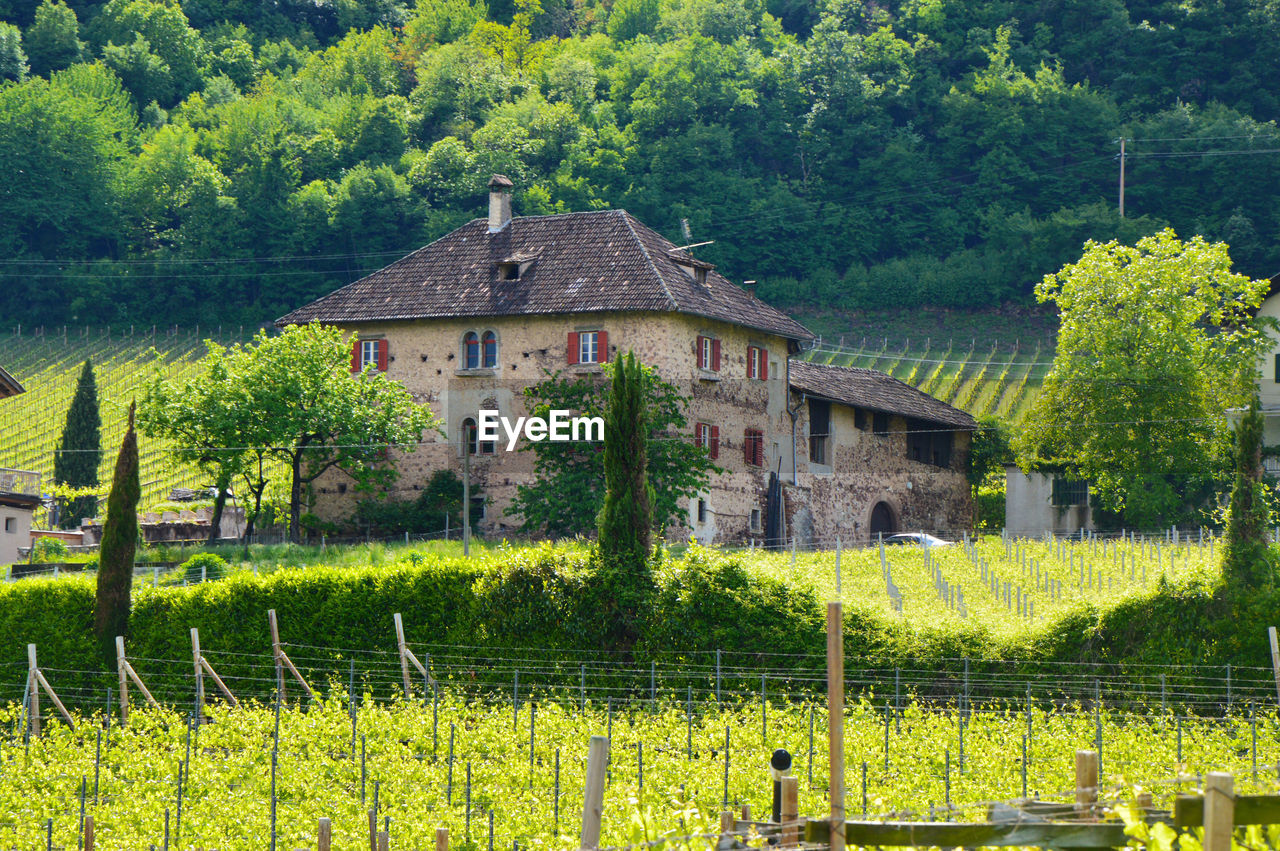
(80, 450)
(1248, 561)
(626, 521)
(119, 544)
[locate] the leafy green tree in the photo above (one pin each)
(13, 61)
(626, 519)
(80, 450)
(119, 544)
(322, 415)
(568, 489)
(209, 418)
(146, 76)
(53, 39)
(1247, 558)
(1156, 341)
(167, 35)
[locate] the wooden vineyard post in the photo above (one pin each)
(790, 814)
(203, 667)
(593, 792)
(442, 839)
(34, 712)
(124, 682)
(404, 661)
(726, 824)
(835, 708)
(282, 659)
(324, 835)
(407, 656)
(88, 833)
(195, 662)
(39, 682)
(1086, 782)
(127, 673)
(1275, 659)
(1219, 811)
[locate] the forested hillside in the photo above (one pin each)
(226, 160)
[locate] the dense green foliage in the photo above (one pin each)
(291, 397)
(544, 603)
(567, 493)
(210, 161)
(80, 449)
(113, 602)
(1247, 558)
(1157, 341)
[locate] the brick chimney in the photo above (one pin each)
(499, 202)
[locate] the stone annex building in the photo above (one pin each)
(470, 320)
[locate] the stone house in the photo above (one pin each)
(19, 494)
(469, 321)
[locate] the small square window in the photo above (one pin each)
(755, 520)
(702, 511)
(11, 524)
(589, 347)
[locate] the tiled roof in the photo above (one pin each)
(867, 388)
(577, 263)
(9, 385)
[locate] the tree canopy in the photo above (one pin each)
(1156, 342)
(226, 162)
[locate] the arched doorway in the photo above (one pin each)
(882, 520)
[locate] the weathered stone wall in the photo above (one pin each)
(427, 358)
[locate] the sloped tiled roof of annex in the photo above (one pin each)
(867, 388)
(9, 385)
(586, 262)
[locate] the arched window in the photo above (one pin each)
(469, 435)
(471, 352)
(490, 345)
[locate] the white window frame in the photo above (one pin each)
(369, 353)
(484, 349)
(588, 347)
(704, 353)
(754, 359)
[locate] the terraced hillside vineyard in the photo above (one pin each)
(1001, 381)
(47, 363)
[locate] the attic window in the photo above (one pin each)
(691, 266)
(508, 271)
(700, 275)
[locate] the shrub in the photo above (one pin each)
(206, 565)
(49, 549)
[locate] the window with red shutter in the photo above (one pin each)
(604, 347)
(355, 355)
(702, 353)
(573, 347)
(715, 442)
(753, 447)
(715, 355)
(382, 355)
(764, 364)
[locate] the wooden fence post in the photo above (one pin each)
(324, 835)
(124, 682)
(282, 659)
(404, 662)
(442, 839)
(790, 806)
(195, 661)
(276, 653)
(34, 711)
(1219, 811)
(1086, 782)
(88, 833)
(1275, 659)
(835, 709)
(593, 792)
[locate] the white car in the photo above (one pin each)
(917, 538)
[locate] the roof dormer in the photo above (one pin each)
(691, 266)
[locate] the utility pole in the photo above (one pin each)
(1122, 177)
(466, 490)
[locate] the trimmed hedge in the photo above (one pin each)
(544, 601)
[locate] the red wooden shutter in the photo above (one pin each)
(573, 347)
(382, 355)
(715, 441)
(355, 355)
(603, 349)
(764, 365)
(748, 451)
(715, 355)
(697, 352)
